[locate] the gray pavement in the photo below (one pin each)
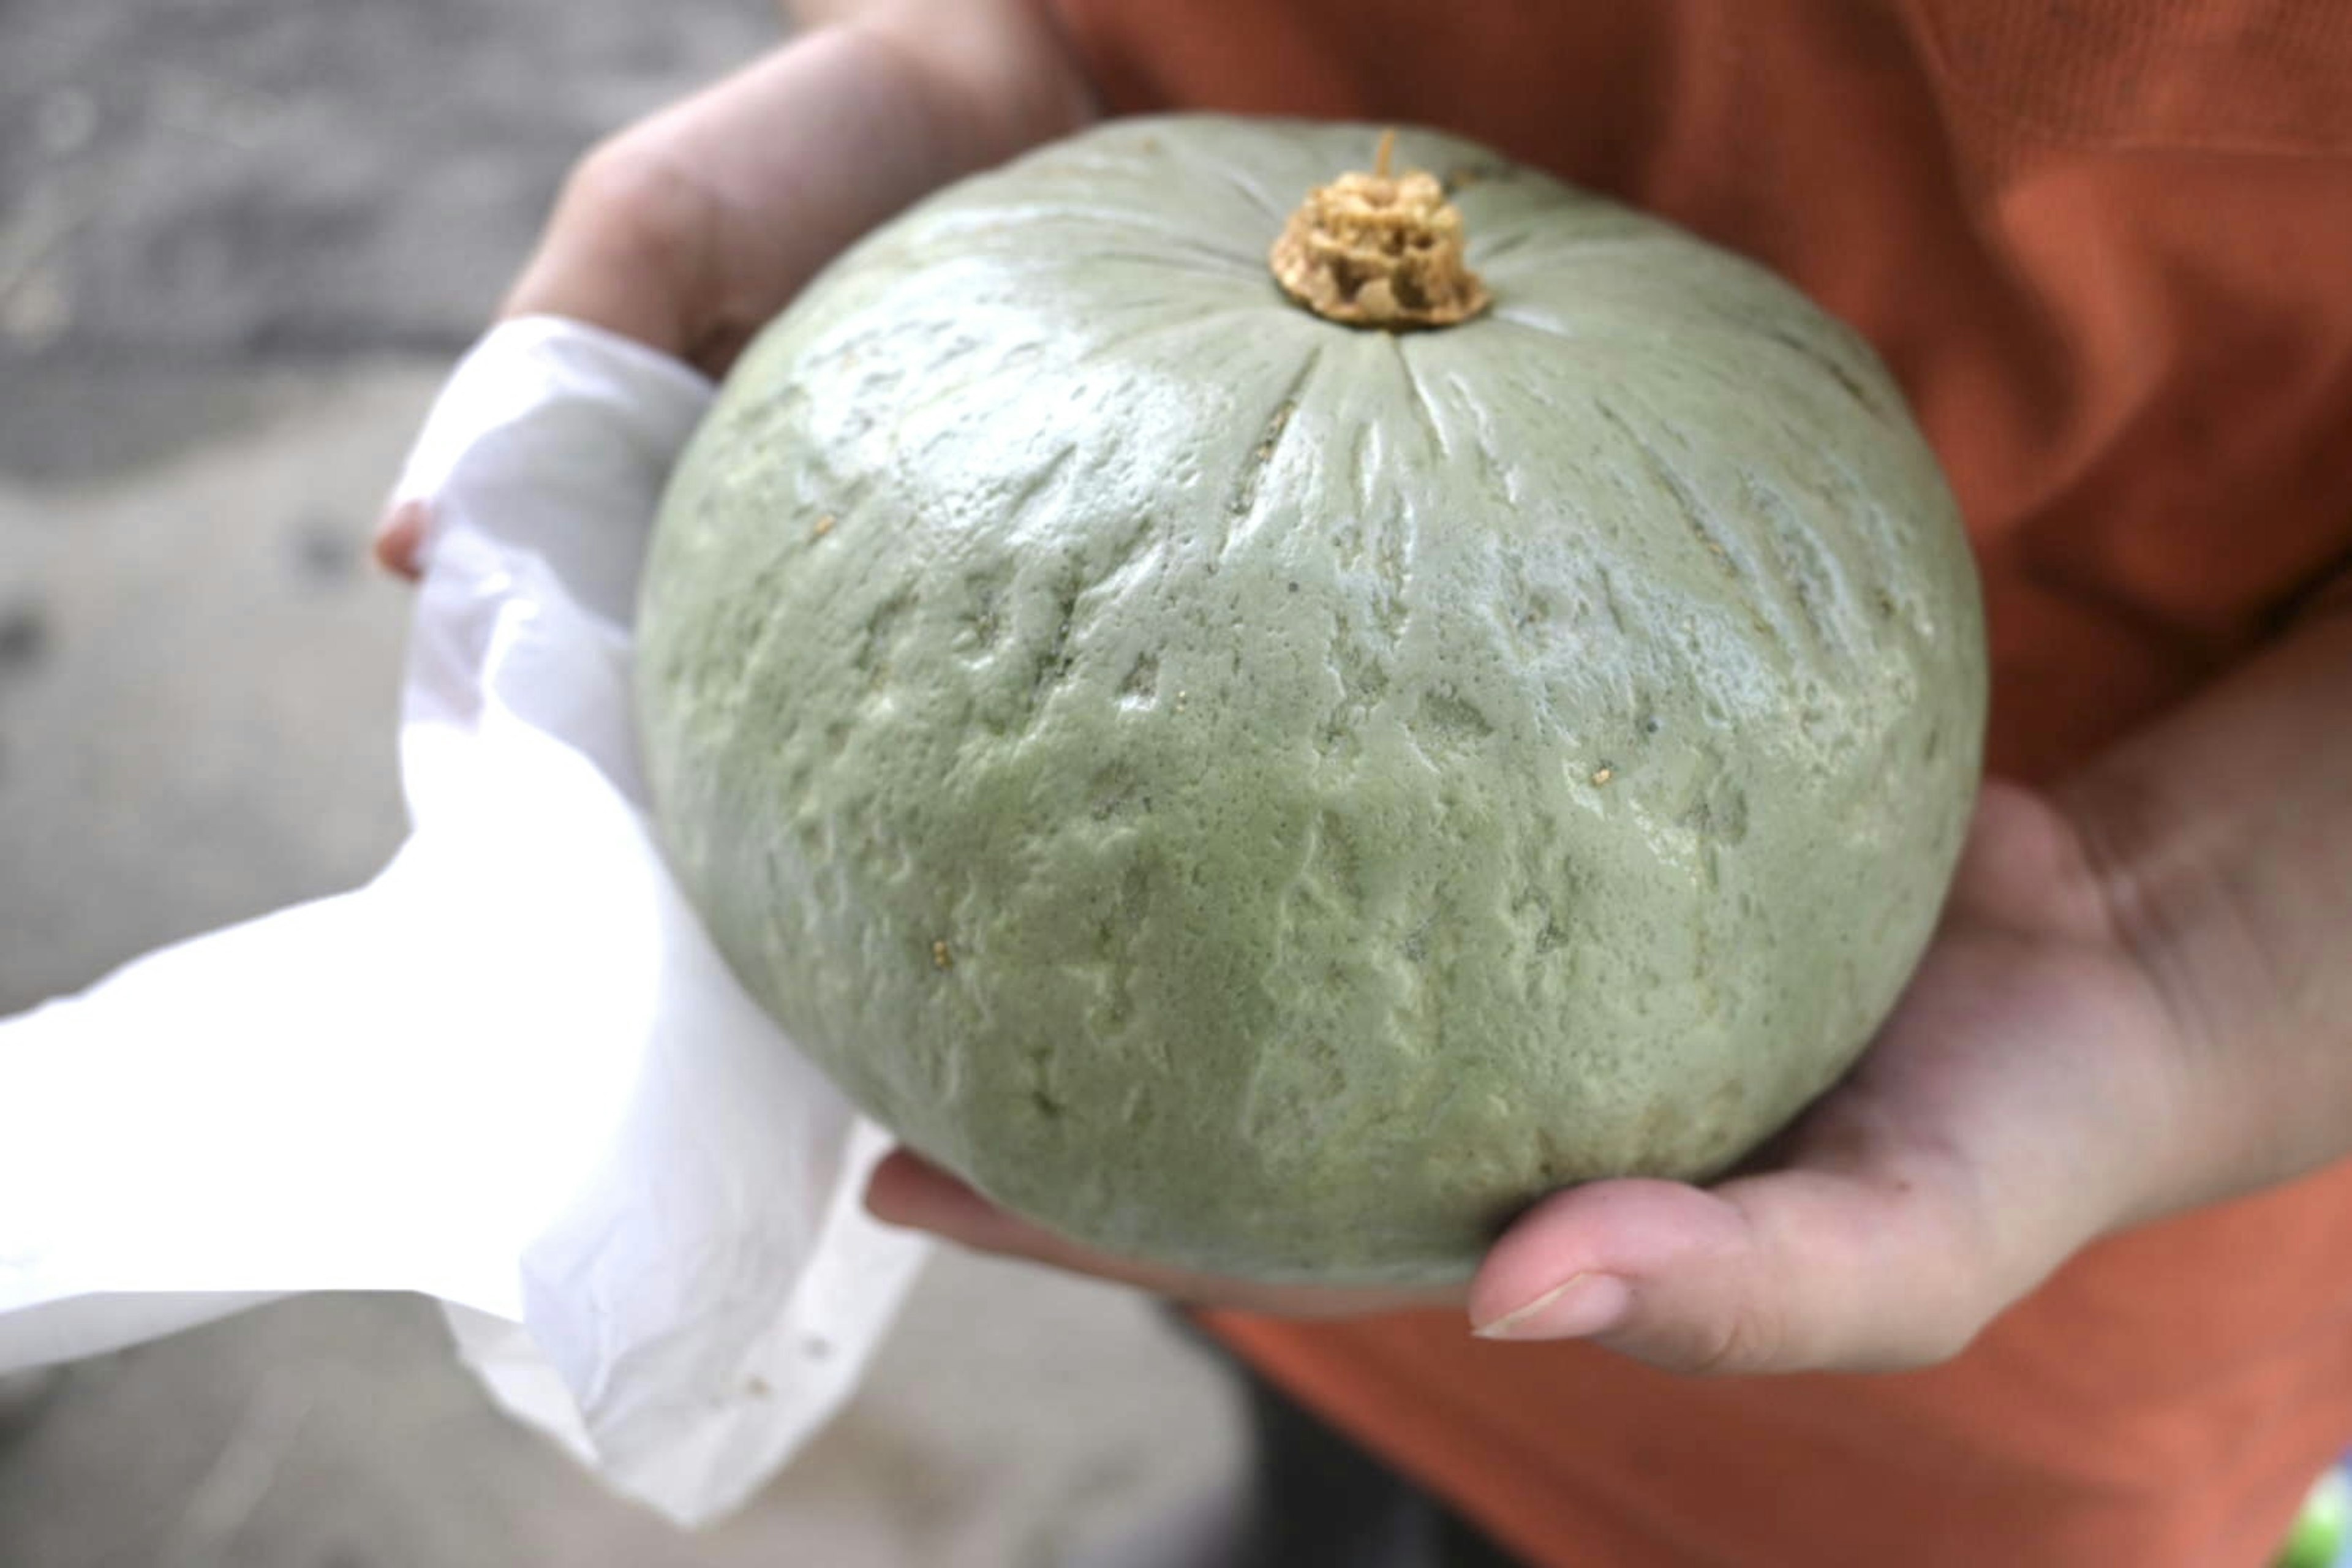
(238, 242)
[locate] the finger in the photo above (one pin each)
(909, 1191)
(906, 1190)
(400, 539)
(1793, 1271)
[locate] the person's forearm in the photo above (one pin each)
(2223, 838)
(731, 200)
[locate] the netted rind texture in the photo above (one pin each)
(1276, 798)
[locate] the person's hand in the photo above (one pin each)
(689, 230)
(1984, 1137)
(2014, 1108)
(2136, 1004)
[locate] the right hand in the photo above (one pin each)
(689, 230)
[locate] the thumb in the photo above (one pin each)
(1795, 1270)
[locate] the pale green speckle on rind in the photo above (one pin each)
(1275, 796)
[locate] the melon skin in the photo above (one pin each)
(1276, 798)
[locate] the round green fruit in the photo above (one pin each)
(1275, 795)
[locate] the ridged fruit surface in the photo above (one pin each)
(1278, 797)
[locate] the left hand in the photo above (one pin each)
(2011, 1110)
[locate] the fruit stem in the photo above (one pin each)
(1379, 250)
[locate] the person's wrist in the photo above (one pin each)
(2207, 1130)
(2129, 937)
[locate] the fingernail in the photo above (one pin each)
(1578, 1307)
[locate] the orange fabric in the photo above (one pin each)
(2107, 245)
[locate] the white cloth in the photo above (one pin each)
(512, 1072)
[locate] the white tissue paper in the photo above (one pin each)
(512, 1072)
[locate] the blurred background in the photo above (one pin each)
(240, 241)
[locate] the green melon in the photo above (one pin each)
(1275, 795)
